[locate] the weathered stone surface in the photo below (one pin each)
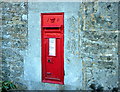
(14, 40)
(100, 16)
(99, 44)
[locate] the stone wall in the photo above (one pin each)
(99, 44)
(91, 44)
(14, 40)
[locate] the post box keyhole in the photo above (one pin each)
(49, 60)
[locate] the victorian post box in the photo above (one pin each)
(52, 28)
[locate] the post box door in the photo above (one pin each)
(53, 64)
(53, 71)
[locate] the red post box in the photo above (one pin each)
(52, 27)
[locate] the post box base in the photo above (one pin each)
(53, 82)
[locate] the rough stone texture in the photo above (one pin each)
(14, 40)
(99, 46)
(0, 44)
(119, 44)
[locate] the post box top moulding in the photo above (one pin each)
(52, 19)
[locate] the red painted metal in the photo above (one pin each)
(52, 26)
